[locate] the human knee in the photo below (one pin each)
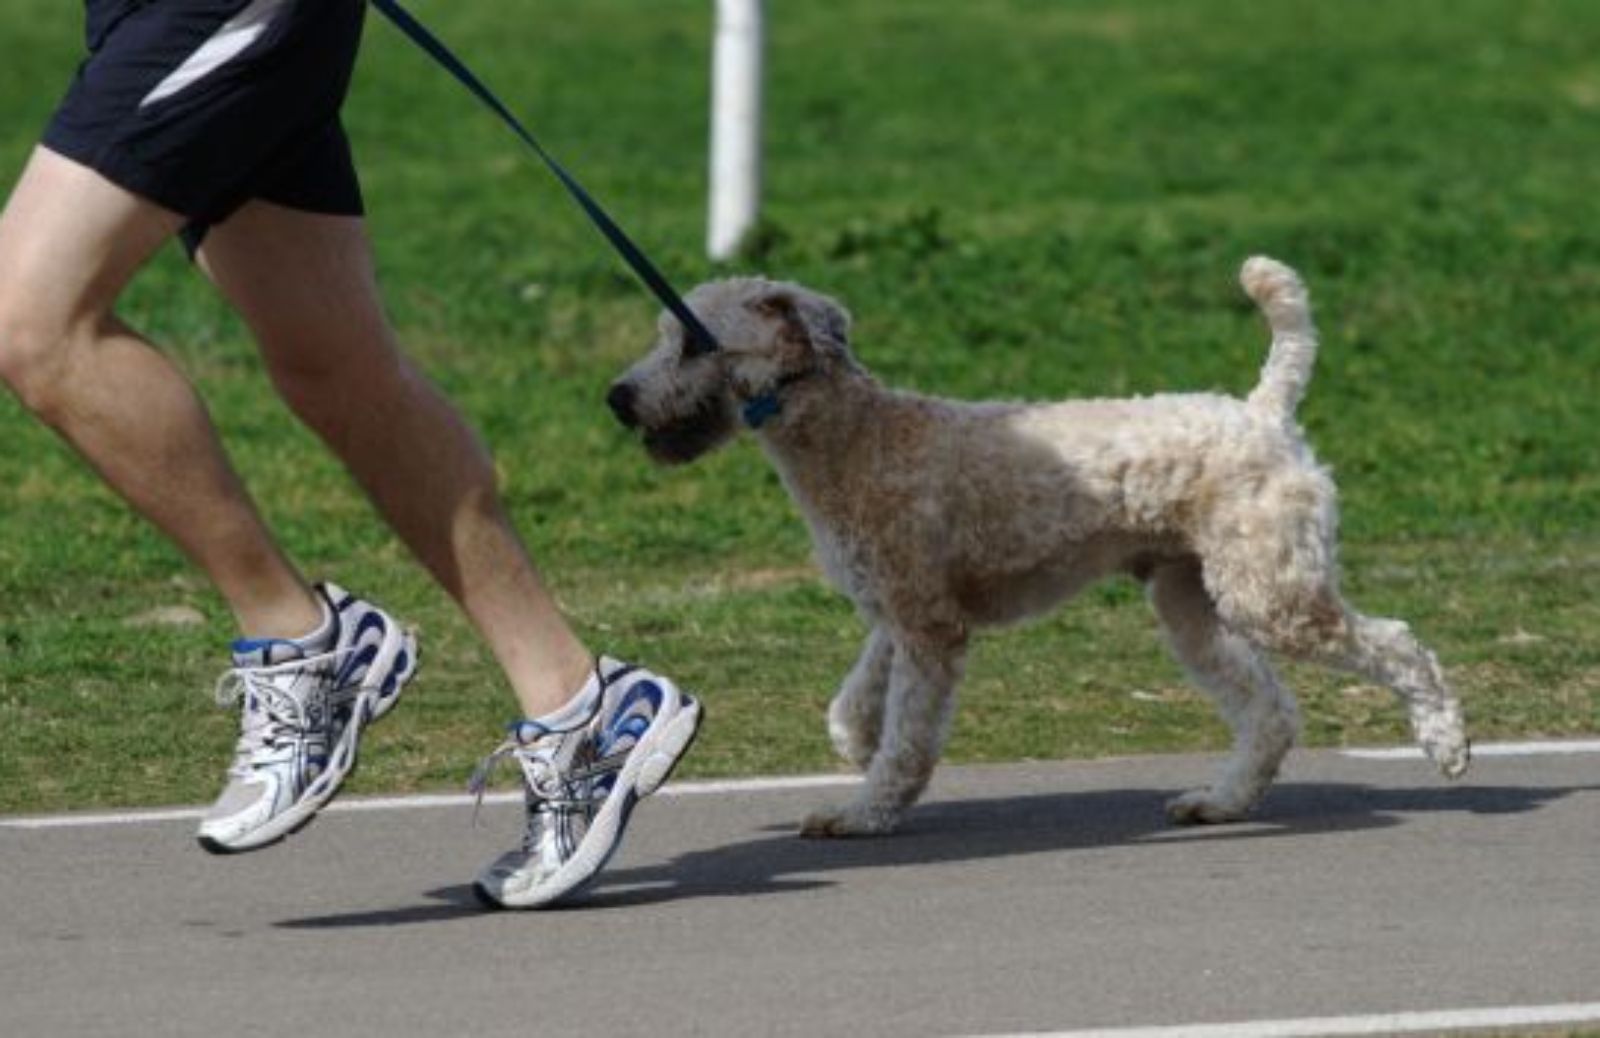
(34, 356)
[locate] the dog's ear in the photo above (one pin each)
(813, 318)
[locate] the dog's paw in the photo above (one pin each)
(1204, 807)
(855, 819)
(1453, 756)
(1443, 739)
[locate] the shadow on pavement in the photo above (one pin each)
(968, 830)
(992, 828)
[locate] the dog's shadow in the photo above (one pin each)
(968, 830)
(780, 863)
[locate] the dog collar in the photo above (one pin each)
(759, 409)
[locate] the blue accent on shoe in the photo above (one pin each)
(347, 675)
(632, 717)
(402, 664)
(259, 651)
(526, 731)
(245, 646)
(373, 621)
(646, 691)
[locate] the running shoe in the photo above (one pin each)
(305, 703)
(583, 772)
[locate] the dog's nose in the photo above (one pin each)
(621, 401)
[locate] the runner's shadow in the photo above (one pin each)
(448, 903)
(780, 863)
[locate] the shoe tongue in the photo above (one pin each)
(266, 652)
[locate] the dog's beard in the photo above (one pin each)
(682, 441)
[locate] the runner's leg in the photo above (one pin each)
(70, 240)
(305, 284)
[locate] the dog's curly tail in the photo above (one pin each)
(1280, 294)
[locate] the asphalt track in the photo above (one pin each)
(1368, 897)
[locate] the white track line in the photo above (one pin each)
(1488, 749)
(425, 800)
(756, 785)
(1330, 1026)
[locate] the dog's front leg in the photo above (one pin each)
(917, 711)
(855, 718)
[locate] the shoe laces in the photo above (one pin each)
(272, 714)
(546, 782)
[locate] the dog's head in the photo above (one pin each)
(771, 334)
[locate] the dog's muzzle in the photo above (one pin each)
(676, 442)
(623, 399)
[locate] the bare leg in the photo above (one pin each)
(305, 284)
(855, 717)
(1258, 709)
(70, 241)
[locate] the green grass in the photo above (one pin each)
(1018, 198)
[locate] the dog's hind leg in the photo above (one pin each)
(1260, 711)
(1270, 568)
(855, 717)
(1316, 625)
(1386, 652)
(920, 701)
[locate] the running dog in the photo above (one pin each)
(938, 517)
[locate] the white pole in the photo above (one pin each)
(735, 125)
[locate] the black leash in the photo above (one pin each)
(700, 339)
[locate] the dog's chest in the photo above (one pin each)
(843, 562)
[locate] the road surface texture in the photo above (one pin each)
(1032, 898)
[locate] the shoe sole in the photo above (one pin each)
(370, 706)
(656, 760)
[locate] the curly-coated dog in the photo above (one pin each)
(938, 517)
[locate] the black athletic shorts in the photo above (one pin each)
(203, 105)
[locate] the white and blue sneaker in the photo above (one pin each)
(305, 703)
(583, 771)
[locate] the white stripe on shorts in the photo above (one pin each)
(225, 44)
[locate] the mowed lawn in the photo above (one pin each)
(1017, 198)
